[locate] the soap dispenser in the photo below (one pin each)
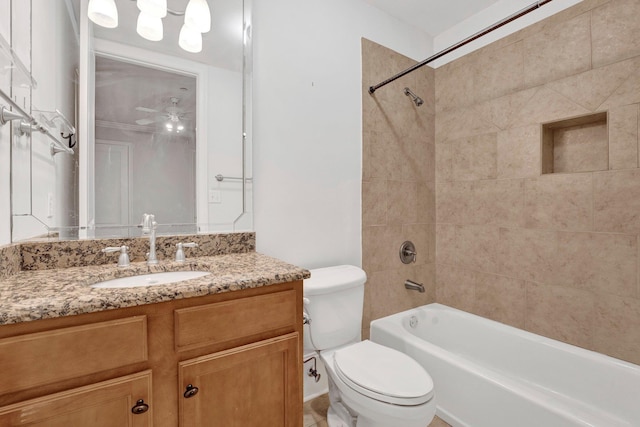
(180, 257)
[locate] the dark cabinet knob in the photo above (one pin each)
(140, 407)
(190, 391)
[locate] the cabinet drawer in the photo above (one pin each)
(46, 357)
(233, 320)
(105, 404)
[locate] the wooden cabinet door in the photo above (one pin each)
(256, 385)
(105, 404)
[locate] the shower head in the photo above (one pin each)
(416, 99)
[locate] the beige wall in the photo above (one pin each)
(398, 184)
(555, 254)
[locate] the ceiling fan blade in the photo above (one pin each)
(146, 110)
(144, 122)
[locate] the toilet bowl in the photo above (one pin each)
(370, 385)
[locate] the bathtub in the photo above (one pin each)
(487, 374)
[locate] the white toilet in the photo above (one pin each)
(370, 385)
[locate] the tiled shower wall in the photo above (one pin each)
(398, 184)
(555, 254)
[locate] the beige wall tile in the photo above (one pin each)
(499, 72)
(519, 154)
(389, 296)
(558, 51)
(581, 148)
(623, 137)
(374, 202)
(616, 201)
(501, 299)
(496, 202)
(425, 83)
(454, 85)
(455, 287)
(461, 123)
(564, 314)
(617, 327)
(446, 244)
(475, 157)
(545, 106)
(402, 199)
(444, 160)
(560, 202)
(426, 202)
(454, 202)
(615, 31)
(599, 262)
(591, 88)
(504, 110)
(628, 92)
(475, 247)
(380, 246)
(527, 254)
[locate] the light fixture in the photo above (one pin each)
(198, 16)
(103, 13)
(190, 39)
(149, 27)
(169, 127)
(155, 8)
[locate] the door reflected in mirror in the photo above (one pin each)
(145, 149)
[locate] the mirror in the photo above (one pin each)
(123, 92)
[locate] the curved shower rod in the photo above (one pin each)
(468, 40)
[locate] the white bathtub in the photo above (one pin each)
(487, 374)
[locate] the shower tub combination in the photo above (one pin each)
(487, 374)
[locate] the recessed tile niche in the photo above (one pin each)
(579, 144)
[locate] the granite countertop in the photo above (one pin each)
(45, 294)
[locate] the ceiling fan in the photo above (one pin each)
(172, 117)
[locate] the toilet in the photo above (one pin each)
(370, 385)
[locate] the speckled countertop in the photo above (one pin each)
(44, 294)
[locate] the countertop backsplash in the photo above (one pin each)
(29, 256)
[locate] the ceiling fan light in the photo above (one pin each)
(155, 8)
(190, 39)
(198, 15)
(149, 27)
(103, 13)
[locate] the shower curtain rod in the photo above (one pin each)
(468, 40)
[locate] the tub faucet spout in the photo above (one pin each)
(411, 285)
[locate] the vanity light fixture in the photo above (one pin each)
(155, 8)
(103, 13)
(198, 16)
(197, 20)
(149, 27)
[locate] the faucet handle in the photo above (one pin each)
(180, 257)
(123, 260)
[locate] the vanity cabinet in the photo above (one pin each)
(240, 351)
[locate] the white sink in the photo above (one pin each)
(150, 279)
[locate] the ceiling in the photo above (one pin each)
(432, 16)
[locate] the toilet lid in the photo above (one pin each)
(383, 374)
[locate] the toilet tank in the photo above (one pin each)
(333, 299)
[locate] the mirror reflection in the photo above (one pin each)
(160, 128)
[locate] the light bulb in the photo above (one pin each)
(180, 127)
(103, 13)
(169, 126)
(198, 15)
(149, 27)
(155, 8)
(190, 39)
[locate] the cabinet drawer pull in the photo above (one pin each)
(191, 391)
(140, 407)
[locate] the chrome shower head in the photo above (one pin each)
(416, 99)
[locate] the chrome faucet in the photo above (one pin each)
(149, 226)
(411, 285)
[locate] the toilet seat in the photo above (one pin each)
(383, 374)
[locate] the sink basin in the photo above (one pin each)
(150, 279)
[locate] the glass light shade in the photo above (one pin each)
(103, 13)
(155, 8)
(190, 39)
(149, 27)
(198, 16)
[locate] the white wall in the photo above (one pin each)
(5, 139)
(307, 123)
